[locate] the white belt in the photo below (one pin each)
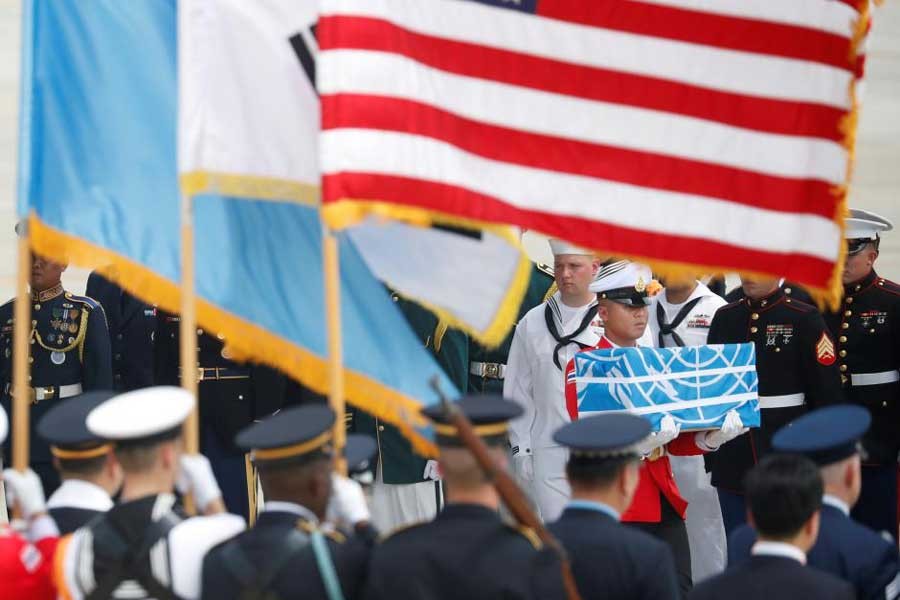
(874, 378)
(488, 370)
(50, 392)
(781, 401)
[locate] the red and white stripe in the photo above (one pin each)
(691, 131)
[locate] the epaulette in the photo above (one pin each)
(889, 286)
(529, 534)
(335, 536)
(402, 529)
(799, 305)
(93, 304)
(730, 305)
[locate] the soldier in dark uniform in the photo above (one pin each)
(603, 472)
(791, 290)
(132, 327)
(867, 329)
(467, 551)
(797, 366)
(406, 489)
(281, 556)
(487, 366)
(90, 474)
(830, 438)
(70, 354)
(784, 496)
(231, 396)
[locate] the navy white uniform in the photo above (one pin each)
(76, 503)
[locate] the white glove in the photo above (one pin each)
(25, 491)
(731, 428)
(432, 471)
(347, 505)
(196, 477)
(668, 431)
(524, 466)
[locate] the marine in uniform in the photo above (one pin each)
(286, 552)
(90, 474)
(407, 487)
(467, 551)
(70, 354)
(230, 396)
(796, 361)
(830, 437)
(132, 327)
(603, 472)
(681, 315)
(487, 366)
(658, 507)
(867, 331)
(141, 548)
(791, 290)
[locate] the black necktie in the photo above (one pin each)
(669, 328)
(564, 340)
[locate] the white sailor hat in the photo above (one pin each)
(141, 415)
(624, 282)
(865, 225)
(558, 247)
(4, 425)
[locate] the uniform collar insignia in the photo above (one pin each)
(48, 294)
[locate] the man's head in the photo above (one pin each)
(621, 289)
(303, 482)
(680, 285)
(758, 288)
(603, 462)
(573, 269)
(623, 321)
(862, 230)
(45, 273)
(784, 495)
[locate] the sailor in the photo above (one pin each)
(90, 474)
(830, 437)
(141, 548)
(867, 331)
(285, 553)
(603, 472)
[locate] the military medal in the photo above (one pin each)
(73, 314)
(73, 327)
(71, 340)
(57, 358)
(50, 337)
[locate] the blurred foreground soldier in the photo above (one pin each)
(132, 327)
(603, 472)
(867, 329)
(90, 473)
(466, 552)
(545, 340)
(26, 560)
(69, 353)
(830, 438)
(784, 495)
(142, 549)
(289, 553)
(796, 363)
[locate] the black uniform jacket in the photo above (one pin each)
(466, 553)
(795, 354)
(610, 560)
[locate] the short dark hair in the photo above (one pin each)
(82, 467)
(783, 492)
(596, 473)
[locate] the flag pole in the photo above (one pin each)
(331, 271)
(187, 332)
(21, 354)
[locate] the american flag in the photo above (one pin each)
(710, 134)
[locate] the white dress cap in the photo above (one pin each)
(141, 413)
(865, 225)
(559, 247)
(622, 274)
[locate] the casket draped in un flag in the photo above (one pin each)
(697, 385)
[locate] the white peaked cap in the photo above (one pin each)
(559, 247)
(621, 274)
(865, 225)
(4, 425)
(141, 413)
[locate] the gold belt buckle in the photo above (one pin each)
(655, 455)
(48, 393)
(32, 395)
(491, 370)
(201, 374)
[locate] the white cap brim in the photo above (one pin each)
(4, 425)
(141, 413)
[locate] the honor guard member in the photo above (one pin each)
(407, 487)
(70, 353)
(90, 473)
(680, 316)
(132, 327)
(867, 331)
(544, 341)
(847, 549)
(796, 362)
(658, 507)
(289, 553)
(791, 290)
(603, 472)
(784, 496)
(487, 366)
(141, 548)
(230, 397)
(26, 559)
(467, 551)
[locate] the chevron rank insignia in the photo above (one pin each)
(825, 350)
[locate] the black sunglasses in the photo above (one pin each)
(854, 247)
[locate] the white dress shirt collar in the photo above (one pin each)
(291, 507)
(837, 503)
(78, 493)
(781, 549)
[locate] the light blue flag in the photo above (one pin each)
(98, 180)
